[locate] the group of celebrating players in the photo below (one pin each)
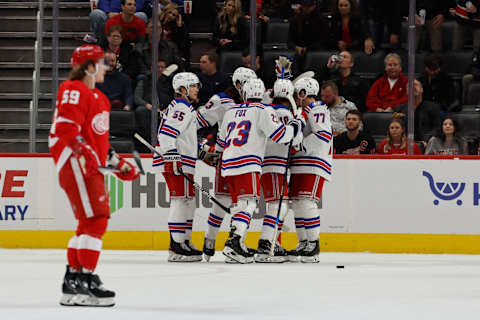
(261, 135)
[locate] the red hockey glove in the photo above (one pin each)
(172, 162)
(128, 172)
(86, 156)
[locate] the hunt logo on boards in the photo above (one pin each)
(12, 189)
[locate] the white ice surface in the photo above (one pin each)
(372, 286)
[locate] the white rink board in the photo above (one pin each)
(364, 196)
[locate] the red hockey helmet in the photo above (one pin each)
(86, 52)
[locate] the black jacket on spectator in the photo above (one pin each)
(117, 86)
(357, 32)
(180, 37)
(167, 51)
(143, 91)
(363, 144)
(440, 90)
(277, 9)
(433, 7)
(353, 88)
(427, 119)
(239, 40)
(390, 10)
(213, 84)
(310, 31)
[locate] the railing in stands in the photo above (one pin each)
(36, 80)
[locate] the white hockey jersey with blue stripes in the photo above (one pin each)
(243, 137)
(318, 140)
(178, 132)
(214, 110)
(276, 155)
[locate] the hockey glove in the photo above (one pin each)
(172, 162)
(128, 172)
(297, 131)
(208, 154)
(86, 156)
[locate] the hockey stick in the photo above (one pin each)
(138, 162)
(196, 185)
(306, 74)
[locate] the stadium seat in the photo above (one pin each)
(258, 30)
(269, 58)
(472, 96)
(447, 34)
(376, 123)
(122, 127)
(276, 35)
(469, 123)
(457, 62)
(368, 66)
(230, 60)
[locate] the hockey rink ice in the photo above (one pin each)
(371, 286)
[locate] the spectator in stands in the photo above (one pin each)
(213, 81)
(435, 13)
(143, 96)
(467, 16)
(229, 32)
(427, 114)
(276, 10)
(126, 61)
(308, 31)
(133, 27)
(347, 31)
(437, 85)
(337, 105)
(379, 14)
(448, 140)
(350, 86)
(396, 140)
(354, 141)
(110, 8)
(117, 85)
(167, 51)
(247, 62)
(391, 89)
(174, 30)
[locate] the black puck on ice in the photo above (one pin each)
(340, 267)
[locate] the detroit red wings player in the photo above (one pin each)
(78, 142)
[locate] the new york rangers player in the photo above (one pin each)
(211, 114)
(310, 167)
(242, 138)
(177, 144)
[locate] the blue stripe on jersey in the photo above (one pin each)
(202, 121)
(276, 131)
(279, 107)
(240, 158)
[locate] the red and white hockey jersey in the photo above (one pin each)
(214, 110)
(317, 141)
(80, 111)
(178, 132)
(243, 137)
(276, 155)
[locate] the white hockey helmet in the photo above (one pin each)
(283, 88)
(185, 80)
(253, 89)
(241, 75)
(310, 86)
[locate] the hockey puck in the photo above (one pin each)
(340, 267)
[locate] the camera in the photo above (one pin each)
(337, 58)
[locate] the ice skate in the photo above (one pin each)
(234, 249)
(69, 288)
(92, 293)
(208, 249)
(196, 255)
(293, 255)
(311, 252)
(263, 253)
(180, 252)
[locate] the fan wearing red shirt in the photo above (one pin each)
(396, 140)
(133, 27)
(391, 89)
(79, 145)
